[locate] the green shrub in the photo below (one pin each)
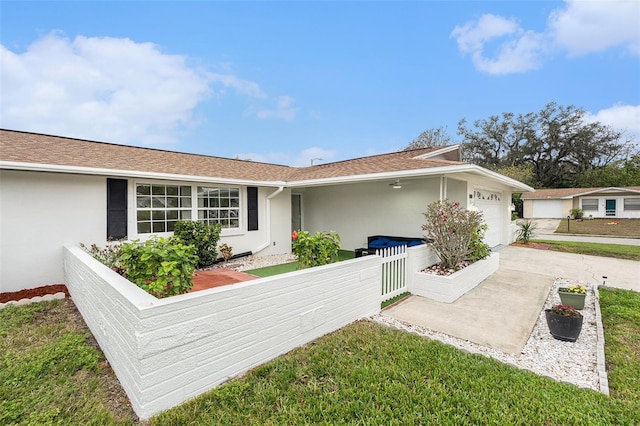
(451, 229)
(478, 250)
(109, 255)
(203, 237)
(576, 213)
(525, 231)
(315, 250)
(162, 267)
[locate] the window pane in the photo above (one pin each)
(185, 214)
(185, 191)
(172, 214)
(172, 190)
(158, 190)
(224, 214)
(158, 202)
(143, 202)
(144, 228)
(224, 202)
(144, 215)
(143, 189)
(233, 213)
(157, 215)
(224, 193)
(234, 193)
(235, 202)
(172, 202)
(213, 214)
(185, 202)
(171, 225)
(235, 223)
(158, 227)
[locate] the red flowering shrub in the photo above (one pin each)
(452, 231)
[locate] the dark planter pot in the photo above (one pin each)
(563, 327)
(575, 300)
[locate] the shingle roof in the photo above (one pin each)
(24, 147)
(565, 192)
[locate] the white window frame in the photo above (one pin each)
(635, 205)
(219, 209)
(193, 209)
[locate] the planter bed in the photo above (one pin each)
(449, 288)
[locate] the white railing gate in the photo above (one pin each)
(394, 271)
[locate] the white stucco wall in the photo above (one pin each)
(39, 213)
(165, 351)
(359, 210)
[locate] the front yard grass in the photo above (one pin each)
(269, 271)
(623, 228)
(621, 321)
(365, 373)
(618, 251)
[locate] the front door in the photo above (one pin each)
(610, 208)
(296, 212)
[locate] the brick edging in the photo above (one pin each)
(45, 298)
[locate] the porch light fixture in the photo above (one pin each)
(396, 185)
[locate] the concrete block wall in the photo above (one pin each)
(165, 351)
(418, 258)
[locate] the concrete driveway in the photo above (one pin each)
(502, 311)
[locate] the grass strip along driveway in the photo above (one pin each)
(362, 374)
(594, 249)
(611, 227)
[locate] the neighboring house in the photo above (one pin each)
(595, 202)
(56, 191)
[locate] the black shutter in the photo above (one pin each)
(116, 208)
(252, 208)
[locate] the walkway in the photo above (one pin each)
(217, 277)
(503, 309)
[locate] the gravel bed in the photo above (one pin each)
(254, 262)
(575, 363)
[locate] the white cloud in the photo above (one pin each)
(299, 159)
(112, 89)
(621, 117)
(581, 27)
(283, 109)
(591, 26)
(103, 88)
(519, 50)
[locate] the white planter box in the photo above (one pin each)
(449, 288)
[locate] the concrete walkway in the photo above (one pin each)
(502, 311)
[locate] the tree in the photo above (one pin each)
(621, 173)
(556, 142)
(430, 138)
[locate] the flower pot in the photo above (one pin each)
(575, 300)
(563, 327)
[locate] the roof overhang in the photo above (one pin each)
(605, 191)
(515, 185)
(54, 168)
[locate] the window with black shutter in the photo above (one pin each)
(252, 208)
(116, 208)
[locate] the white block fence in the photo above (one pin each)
(166, 351)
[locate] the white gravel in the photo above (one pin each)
(580, 363)
(575, 363)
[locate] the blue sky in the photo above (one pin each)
(285, 82)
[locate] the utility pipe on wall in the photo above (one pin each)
(268, 220)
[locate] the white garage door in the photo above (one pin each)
(547, 209)
(490, 204)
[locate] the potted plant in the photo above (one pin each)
(565, 323)
(573, 295)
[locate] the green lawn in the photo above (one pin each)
(51, 372)
(621, 228)
(292, 266)
(621, 320)
(595, 249)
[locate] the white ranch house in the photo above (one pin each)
(612, 202)
(57, 191)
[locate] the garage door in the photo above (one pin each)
(490, 204)
(547, 209)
